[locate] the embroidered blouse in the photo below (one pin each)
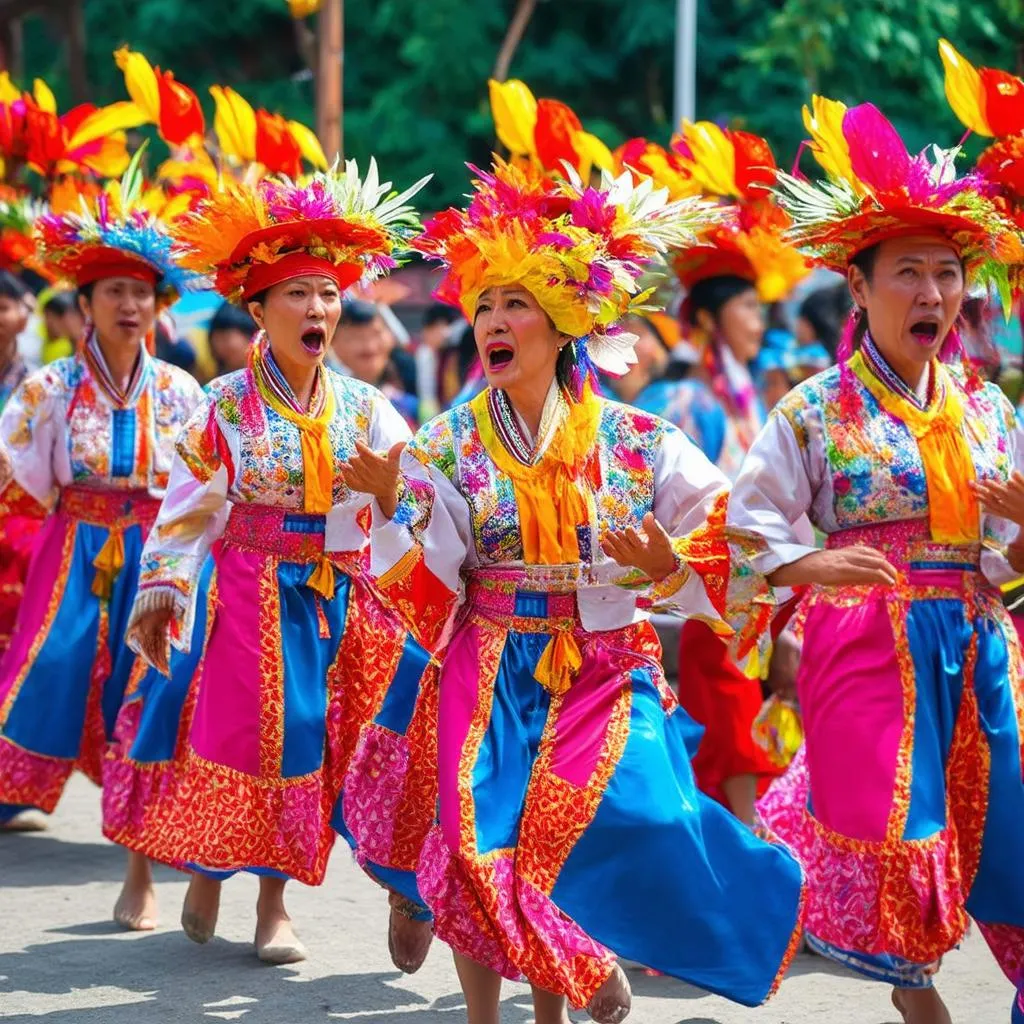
(66, 426)
(468, 503)
(850, 451)
(238, 448)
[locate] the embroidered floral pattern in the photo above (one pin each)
(874, 468)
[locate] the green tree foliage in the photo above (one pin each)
(416, 70)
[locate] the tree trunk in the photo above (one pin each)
(75, 22)
(305, 43)
(330, 77)
(11, 48)
(513, 37)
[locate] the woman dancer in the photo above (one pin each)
(89, 440)
(563, 758)
(17, 533)
(727, 277)
(907, 803)
(299, 654)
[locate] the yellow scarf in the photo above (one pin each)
(317, 453)
(551, 495)
(953, 512)
(553, 498)
(109, 561)
(317, 461)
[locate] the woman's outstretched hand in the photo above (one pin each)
(839, 567)
(1003, 498)
(650, 552)
(152, 633)
(371, 473)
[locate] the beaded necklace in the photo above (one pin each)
(278, 384)
(512, 433)
(876, 362)
(137, 381)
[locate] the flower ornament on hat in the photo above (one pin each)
(990, 103)
(875, 190)
(162, 100)
(18, 214)
(545, 133)
(736, 168)
(249, 238)
(85, 140)
(250, 143)
(113, 234)
(256, 136)
(579, 250)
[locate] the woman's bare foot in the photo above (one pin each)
(200, 909)
(408, 939)
(921, 1006)
(613, 1000)
(276, 941)
(135, 908)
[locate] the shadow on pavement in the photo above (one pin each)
(36, 860)
(664, 987)
(174, 980)
(660, 986)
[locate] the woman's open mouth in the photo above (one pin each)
(314, 339)
(499, 356)
(925, 331)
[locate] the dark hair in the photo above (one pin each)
(825, 309)
(60, 303)
(230, 318)
(356, 313)
(712, 293)
(259, 297)
(439, 313)
(33, 282)
(11, 287)
(465, 348)
(564, 366)
(676, 370)
(778, 319)
(85, 291)
(865, 262)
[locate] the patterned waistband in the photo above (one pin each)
(293, 536)
(109, 508)
(908, 545)
(518, 600)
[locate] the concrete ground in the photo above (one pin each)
(62, 960)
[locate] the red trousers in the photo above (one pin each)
(715, 693)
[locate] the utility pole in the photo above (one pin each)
(685, 93)
(331, 77)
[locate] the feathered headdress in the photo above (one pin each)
(875, 190)
(113, 233)
(337, 224)
(18, 213)
(990, 103)
(735, 168)
(579, 250)
(545, 133)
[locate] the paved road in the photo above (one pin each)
(62, 961)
